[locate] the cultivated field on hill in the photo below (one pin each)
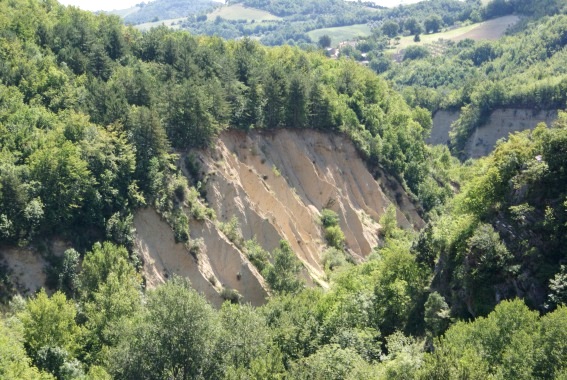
(341, 33)
(487, 30)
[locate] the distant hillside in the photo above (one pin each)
(167, 9)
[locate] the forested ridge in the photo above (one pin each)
(93, 118)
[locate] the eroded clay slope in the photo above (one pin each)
(219, 264)
(276, 183)
(499, 125)
(26, 267)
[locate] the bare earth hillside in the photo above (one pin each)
(275, 184)
(442, 121)
(26, 267)
(500, 124)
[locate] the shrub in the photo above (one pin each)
(68, 269)
(232, 231)
(180, 226)
(335, 237)
(333, 258)
(259, 257)
(121, 229)
(329, 218)
(231, 295)
(416, 52)
(282, 276)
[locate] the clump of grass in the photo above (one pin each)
(231, 295)
(276, 171)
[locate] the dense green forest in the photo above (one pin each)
(94, 116)
(75, 72)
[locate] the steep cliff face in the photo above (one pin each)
(499, 125)
(275, 183)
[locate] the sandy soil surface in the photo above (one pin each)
(223, 260)
(276, 183)
(501, 123)
(27, 268)
(442, 121)
(163, 257)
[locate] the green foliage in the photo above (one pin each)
(496, 8)
(56, 360)
(432, 24)
(558, 288)
(503, 345)
(295, 326)
(231, 230)
(175, 336)
(301, 23)
(484, 240)
(89, 110)
(67, 279)
(329, 218)
(256, 254)
(329, 362)
(416, 52)
(110, 289)
(521, 70)
(335, 237)
(282, 275)
(325, 41)
(551, 340)
(398, 290)
(333, 258)
(50, 322)
(65, 178)
(404, 357)
(14, 363)
(390, 28)
(333, 234)
(99, 264)
(163, 10)
(120, 229)
(245, 341)
(231, 295)
(436, 314)
(180, 227)
(389, 222)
